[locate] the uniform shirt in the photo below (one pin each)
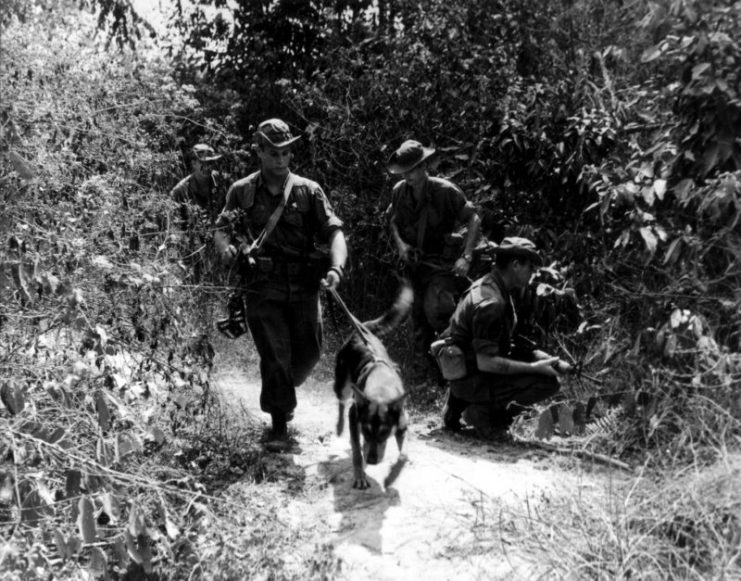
(446, 207)
(307, 216)
(191, 191)
(484, 320)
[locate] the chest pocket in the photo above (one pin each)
(297, 210)
(258, 215)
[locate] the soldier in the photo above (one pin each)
(198, 190)
(501, 377)
(424, 213)
(200, 200)
(285, 273)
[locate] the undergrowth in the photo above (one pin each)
(120, 461)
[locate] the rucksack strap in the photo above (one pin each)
(274, 217)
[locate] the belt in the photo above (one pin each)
(268, 265)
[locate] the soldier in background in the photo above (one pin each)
(424, 214)
(198, 192)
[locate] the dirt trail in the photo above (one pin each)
(451, 512)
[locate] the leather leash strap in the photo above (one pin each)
(361, 329)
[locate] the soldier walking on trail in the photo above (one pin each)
(199, 200)
(501, 376)
(198, 191)
(279, 216)
(424, 213)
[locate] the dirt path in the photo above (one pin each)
(454, 510)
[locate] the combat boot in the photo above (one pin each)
(278, 436)
(452, 411)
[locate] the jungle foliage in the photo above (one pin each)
(605, 131)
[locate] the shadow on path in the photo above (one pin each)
(363, 511)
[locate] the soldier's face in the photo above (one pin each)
(416, 175)
(202, 168)
(275, 160)
(523, 270)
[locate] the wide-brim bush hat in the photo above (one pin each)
(520, 248)
(204, 152)
(409, 155)
(275, 132)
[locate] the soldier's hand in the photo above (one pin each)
(404, 252)
(546, 366)
(229, 254)
(331, 280)
(461, 266)
(563, 367)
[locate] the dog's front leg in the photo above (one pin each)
(401, 429)
(361, 481)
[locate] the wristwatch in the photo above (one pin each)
(467, 257)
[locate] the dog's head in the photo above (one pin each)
(378, 420)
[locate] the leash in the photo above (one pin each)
(359, 327)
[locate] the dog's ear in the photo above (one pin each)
(360, 397)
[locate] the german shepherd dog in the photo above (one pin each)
(365, 372)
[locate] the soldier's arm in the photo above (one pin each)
(506, 366)
(472, 236)
(224, 248)
(402, 247)
(338, 258)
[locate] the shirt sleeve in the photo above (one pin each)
(326, 218)
(392, 211)
(180, 192)
(459, 206)
(488, 328)
(230, 204)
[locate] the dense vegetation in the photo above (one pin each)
(606, 131)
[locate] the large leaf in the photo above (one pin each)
(73, 478)
(86, 520)
(104, 416)
(98, 562)
(7, 489)
(13, 398)
(651, 53)
(650, 239)
(21, 166)
(33, 508)
(545, 426)
(660, 188)
(699, 70)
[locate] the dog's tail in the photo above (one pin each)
(396, 314)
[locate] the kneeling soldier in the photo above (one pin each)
(500, 379)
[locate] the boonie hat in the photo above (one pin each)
(275, 132)
(518, 246)
(203, 152)
(409, 155)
